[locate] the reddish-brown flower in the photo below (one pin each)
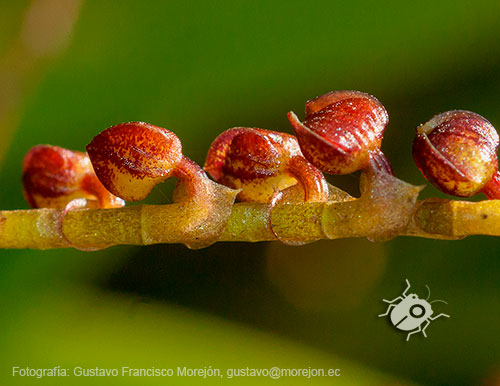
(131, 158)
(457, 152)
(53, 177)
(342, 132)
(262, 163)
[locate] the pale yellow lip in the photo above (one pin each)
(426, 128)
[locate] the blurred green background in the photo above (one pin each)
(199, 68)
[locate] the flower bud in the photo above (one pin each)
(53, 177)
(342, 132)
(131, 158)
(457, 152)
(262, 163)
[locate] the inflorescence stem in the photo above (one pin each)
(156, 224)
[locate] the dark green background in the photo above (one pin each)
(199, 68)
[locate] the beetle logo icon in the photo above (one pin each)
(410, 313)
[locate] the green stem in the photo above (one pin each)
(153, 224)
